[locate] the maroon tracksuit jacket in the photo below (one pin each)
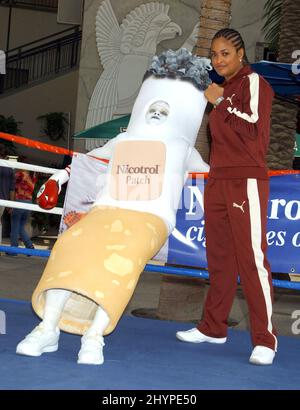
(235, 201)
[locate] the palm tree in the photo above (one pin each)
(271, 28)
(283, 33)
(214, 15)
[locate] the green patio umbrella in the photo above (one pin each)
(297, 146)
(105, 130)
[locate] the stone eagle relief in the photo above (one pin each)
(125, 53)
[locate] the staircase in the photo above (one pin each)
(43, 5)
(41, 60)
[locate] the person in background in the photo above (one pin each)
(7, 185)
(236, 200)
(25, 182)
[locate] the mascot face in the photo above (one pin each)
(167, 109)
(157, 113)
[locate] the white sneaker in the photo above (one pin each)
(39, 341)
(195, 336)
(262, 355)
(91, 351)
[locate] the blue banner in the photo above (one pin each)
(283, 233)
(187, 243)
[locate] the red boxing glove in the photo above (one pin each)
(48, 194)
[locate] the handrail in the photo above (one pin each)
(47, 46)
(43, 5)
(59, 33)
(27, 66)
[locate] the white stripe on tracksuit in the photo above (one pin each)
(256, 234)
(254, 95)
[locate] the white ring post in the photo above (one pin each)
(28, 167)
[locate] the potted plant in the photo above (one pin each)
(55, 125)
(9, 125)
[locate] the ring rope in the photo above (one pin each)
(58, 150)
(43, 253)
(169, 270)
(29, 167)
(30, 207)
(35, 144)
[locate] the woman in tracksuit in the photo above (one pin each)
(236, 200)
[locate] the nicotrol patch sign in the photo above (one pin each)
(138, 170)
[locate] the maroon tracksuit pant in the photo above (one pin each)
(235, 224)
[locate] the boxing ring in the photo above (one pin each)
(163, 268)
(141, 353)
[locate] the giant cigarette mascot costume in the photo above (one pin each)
(95, 265)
